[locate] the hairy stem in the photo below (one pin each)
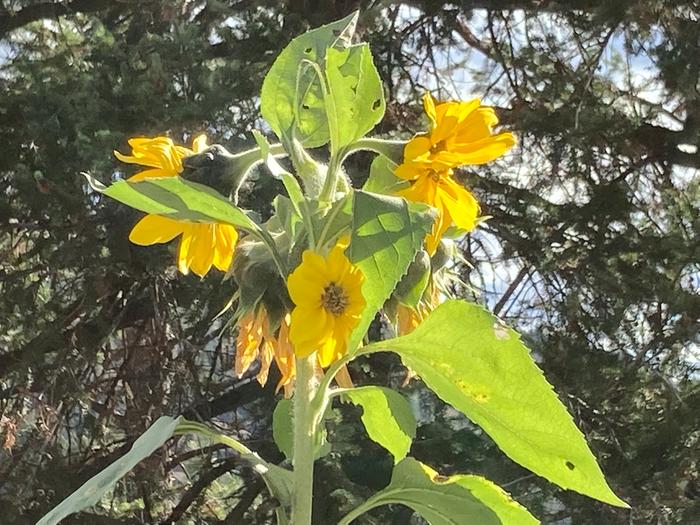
(304, 430)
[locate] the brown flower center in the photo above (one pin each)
(437, 147)
(435, 175)
(334, 299)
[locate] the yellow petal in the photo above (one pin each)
(416, 147)
(429, 106)
(154, 229)
(201, 252)
(224, 245)
(457, 203)
(183, 262)
(309, 329)
(154, 173)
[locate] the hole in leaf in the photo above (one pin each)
(336, 32)
(308, 50)
(376, 104)
(354, 89)
(305, 106)
(570, 465)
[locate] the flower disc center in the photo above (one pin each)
(334, 299)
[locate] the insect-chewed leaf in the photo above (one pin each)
(356, 94)
(291, 95)
(482, 368)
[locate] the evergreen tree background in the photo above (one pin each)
(592, 250)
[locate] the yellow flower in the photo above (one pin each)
(255, 340)
(327, 292)
(202, 244)
(453, 202)
(460, 133)
(160, 154)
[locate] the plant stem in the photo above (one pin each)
(304, 430)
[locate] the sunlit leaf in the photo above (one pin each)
(291, 95)
(479, 366)
(176, 198)
(439, 500)
(356, 94)
(387, 417)
(382, 179)
(386, 234)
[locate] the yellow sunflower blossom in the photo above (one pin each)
(256, 340)
(327, 292)
(460, 133)
(202, 244)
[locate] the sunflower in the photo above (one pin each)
(460, 133)
(256, 340)
(327, 292)
(202, 244)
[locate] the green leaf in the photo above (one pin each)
(387, 417)
(382, 179)
(386, 234)
(283, 427)
(356, 94)
(176, 198)
(93, 489)
(412, 286)
(283, 431)
(480, 367)
(291, 100)
(510, 512)
(438, 501)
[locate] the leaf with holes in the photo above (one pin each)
(387, 417)
(480, 367)
(291, 100)
(386, 234)
(355, 92)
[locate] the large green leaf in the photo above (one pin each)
(440, 501)
(386, 234)
(479, 366)
(176, 198)
(510, 512)
(291, 100)
(356, 96)
(387, 417)
(93, 489)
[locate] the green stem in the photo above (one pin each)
(331, 182)
(393, 149)
(304, 430)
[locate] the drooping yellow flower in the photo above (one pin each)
(438, 188)
(460, 133)
(202, 244)
(256, 340)
(327, 292)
